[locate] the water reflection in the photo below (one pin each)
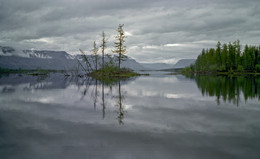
(230, 89)
(117, 96)
(120, 105)
(106, 93)
(103, 101)
(95, 95)
(166, 117)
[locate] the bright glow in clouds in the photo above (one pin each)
(41, 40)
(128, 34)
(178, 45)
(205, 42)
(150, 47)
(174, 96)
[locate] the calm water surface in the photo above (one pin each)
(157, 116)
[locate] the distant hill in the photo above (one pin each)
(161, 66)
(156, 66)
(44, 59)
(184, 63)
(33, 59)
(60, 60)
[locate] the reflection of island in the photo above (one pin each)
(229, 88)
(95, 90)
(118, 98)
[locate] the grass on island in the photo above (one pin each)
(114, 72)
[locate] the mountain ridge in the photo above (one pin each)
(61, 60)
(53, 60)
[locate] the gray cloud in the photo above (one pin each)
(186, 26)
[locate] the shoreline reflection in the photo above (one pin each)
(229, 89)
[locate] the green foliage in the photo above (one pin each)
(103, 47)
(228, 58)
(240, 68)
(186, 70)
(95, 56)
(257, 67)
(108, 70)
(222, 68)
(231, 71)
(120, 48)
(213, 68)
(112, 72)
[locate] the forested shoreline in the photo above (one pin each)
(227, 58)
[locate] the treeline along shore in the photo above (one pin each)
(227, 59)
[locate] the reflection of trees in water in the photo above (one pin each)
(95, 95)
(229, 88)
(120, 105)
(86, 83)
(103, 101)
(96, 92)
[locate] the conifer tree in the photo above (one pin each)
(95, 53)
(218, 54)
(238, 52)
(103, 47)
(224, 55)
(120, 48)
(229, 58)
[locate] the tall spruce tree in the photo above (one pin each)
(95, 53)
(103, 47)
(224, 55)
(120, 48)
(218, 54)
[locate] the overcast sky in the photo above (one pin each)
(158, 30)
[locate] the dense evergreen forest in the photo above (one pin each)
(227, 58)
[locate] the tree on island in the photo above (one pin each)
(103, 47)
(109, 70)
(95, 53)
(120, 48)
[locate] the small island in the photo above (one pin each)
(110, 69)
(113, 72)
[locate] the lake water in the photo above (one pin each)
(157, 116)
